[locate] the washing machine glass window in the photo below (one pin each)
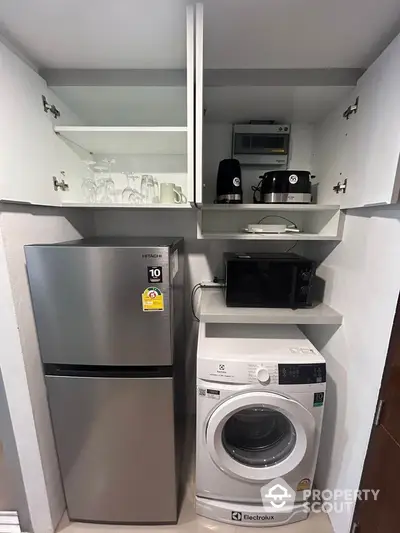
(258, 436)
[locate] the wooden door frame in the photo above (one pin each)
(379, 410)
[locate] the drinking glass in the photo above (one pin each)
(130, 193)
(150, 189)
(109, 185)
(88, 183)
(101, 196)
(135, 197)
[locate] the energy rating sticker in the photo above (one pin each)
(152, 299)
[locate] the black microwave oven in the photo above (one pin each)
(268, 280)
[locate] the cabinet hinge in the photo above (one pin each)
(355, 528)
(341, 186)
(60, 184)
(378, 413)
(50, 108)
(352, 109)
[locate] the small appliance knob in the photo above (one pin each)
(262, 375)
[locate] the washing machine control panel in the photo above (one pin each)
(226, 371)
(263, 373)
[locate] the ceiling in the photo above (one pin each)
(297, 33)
(237, 34)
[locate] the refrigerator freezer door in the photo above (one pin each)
(88, 305)
(115, 443)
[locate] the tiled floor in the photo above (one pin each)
(189, 522)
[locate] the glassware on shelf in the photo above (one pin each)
(128, 189)
(88, 183)
(89, 190)
(135, 197)
(100, 180)
(109, 185)
(150, 189)
(131, 194)
(156, 198)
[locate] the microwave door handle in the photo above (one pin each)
(293, 288)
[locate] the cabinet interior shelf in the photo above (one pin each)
(315, 222)
(270, 207)
(214, 310)
(270, 236)
(127, 139)
(126, 206)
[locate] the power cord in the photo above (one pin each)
(287, 220)
(278, 216)
(291, 247)
(194, 290)
(215, 284)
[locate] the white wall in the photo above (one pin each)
(21, 364)
(217, 141)
(363, 283)
(12, 491)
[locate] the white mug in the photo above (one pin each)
(169, 194)
(183, 199)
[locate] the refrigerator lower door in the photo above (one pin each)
(115, 443)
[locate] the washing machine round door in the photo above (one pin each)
(259, 436)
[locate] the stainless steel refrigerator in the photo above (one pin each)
(110, 320)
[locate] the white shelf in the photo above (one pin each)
(214, 310)
(271, 236)
(127, 139)
(127, 206)
(270, 207)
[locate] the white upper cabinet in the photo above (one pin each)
(144, 121)
(199, 103)
(31, 152)
(363, 148)
(331, 147)
(162, 101)
(377, 133)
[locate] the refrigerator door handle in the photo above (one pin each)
(106, 371)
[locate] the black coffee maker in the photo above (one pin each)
(229, 182)
(283, 186)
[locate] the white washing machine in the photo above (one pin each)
(260, 401)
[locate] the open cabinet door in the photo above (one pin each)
(357, 151)
(374, 176)
(31, 152)
(198, 171)
(190, 95)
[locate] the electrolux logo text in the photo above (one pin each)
(258, 517)
(251, 517)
